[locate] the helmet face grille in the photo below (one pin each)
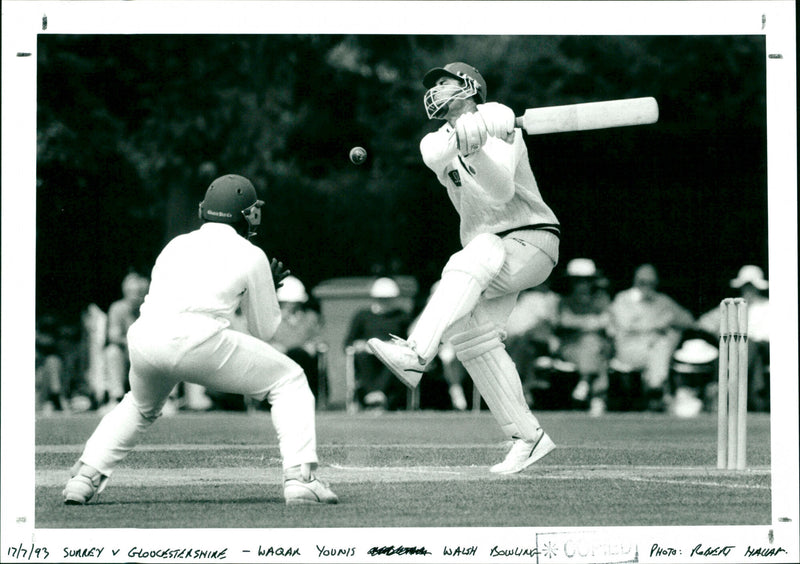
(436, 97)
(469, 73)
(439, 97)
(253, 213)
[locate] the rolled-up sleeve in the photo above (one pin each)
(438, 148)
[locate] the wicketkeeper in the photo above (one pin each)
(184, 333)
(510, 241)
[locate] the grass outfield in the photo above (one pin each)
(422, 469)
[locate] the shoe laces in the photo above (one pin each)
(313, 478)
(400, 341)
(94, 476)
(520, 444)
(407, 344)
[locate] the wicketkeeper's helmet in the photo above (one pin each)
(438, 97)
(231, 199)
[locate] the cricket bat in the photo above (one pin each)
(590, 115)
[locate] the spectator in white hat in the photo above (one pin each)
(583, 320)
(753, 287)
(646, 327)
(299, 334)
(376, 388)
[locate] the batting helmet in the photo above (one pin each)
(461, 71)
(229, 199)
(438, 96)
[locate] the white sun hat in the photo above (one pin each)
(384, 288)
(293, 290)
(696, 351)
(750, 274)
(581, 267)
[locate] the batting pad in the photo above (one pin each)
(465, 276)
(483, 355)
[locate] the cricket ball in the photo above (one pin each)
(358, 155)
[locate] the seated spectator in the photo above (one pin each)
(530, 333)
(376, 386)
(49, 376)
(694, 376)
(93, 341)
(583, 320)
(121, 315)
(646, 327)
(298, 335)
(752, 286)
(454, 374)
(60, 384)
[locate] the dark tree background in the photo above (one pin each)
(132, 128)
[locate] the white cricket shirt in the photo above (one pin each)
(214, 271)
(493, 190)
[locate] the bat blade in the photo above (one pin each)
(590, 115)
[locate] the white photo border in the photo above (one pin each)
(23, 21)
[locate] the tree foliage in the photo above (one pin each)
(132, 128)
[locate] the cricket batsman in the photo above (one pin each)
(184, 333)
(510, 240)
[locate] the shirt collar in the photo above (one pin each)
(220, 227)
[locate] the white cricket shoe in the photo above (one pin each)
(86, 482)
(376, 400)
(400, 358)
(581, 391)
(524, 453)
(301, 486)
(297, 492)
(597, 407)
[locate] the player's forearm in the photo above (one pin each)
(260, 303)
(438, 148)
(262, 320)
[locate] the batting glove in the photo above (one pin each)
(499, 120)
(471, 133)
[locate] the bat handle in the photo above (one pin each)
(519, 122)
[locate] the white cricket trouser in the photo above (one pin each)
(477, 336)
(524, 266)
(199, 349)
